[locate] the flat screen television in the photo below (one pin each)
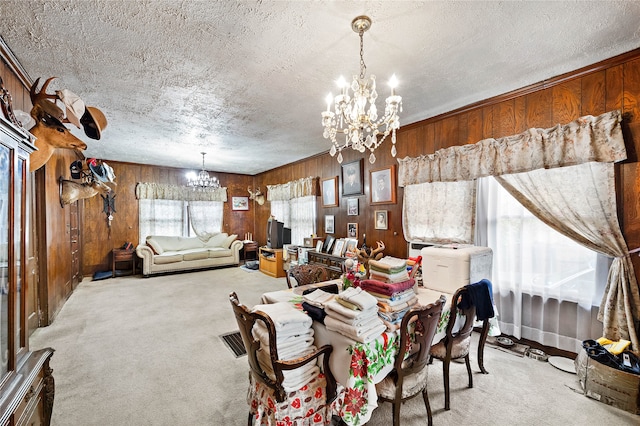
(277, 234)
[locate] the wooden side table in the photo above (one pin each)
(122, 255)
(250, 247)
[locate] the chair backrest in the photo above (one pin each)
(426, 320)
(306, 274)
(461, 302)
(246, 320)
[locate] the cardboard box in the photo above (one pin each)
(609, 385)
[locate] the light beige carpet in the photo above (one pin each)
(134, 351)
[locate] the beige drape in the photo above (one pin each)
(157, 191)
(294, 189)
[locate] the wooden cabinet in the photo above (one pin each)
(332, 263)
(26, 383)
(271, 262)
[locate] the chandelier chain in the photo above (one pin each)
(363, 66)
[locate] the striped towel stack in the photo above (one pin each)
(394, 300)
(354, 313)
(388, 270)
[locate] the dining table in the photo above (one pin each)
(357, 366)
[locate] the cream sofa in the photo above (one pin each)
(169, 254)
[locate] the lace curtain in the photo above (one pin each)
(294, 189)
(587, 139)
(451, 212)
(205, 218)
(161, 217)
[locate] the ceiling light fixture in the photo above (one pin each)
(361, 126)
(202, 181)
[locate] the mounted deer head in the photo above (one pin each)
(71, 191)
(364, 255)
(50, 131)
(258, 196)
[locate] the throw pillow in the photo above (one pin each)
(155, 245)
(227, 242)
(216, 240)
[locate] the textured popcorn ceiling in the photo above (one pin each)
(245, 81)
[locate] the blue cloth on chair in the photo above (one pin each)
(480, 295)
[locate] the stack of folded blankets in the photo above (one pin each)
(313, 303)
(354, 313)
(388, 270)
(394, 299)
(294, 339)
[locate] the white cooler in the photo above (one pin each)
(447, 268)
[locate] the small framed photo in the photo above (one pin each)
(239, 203)
(351, 245)
(330, 192)
(352, 230)
(328, 244)
(329, 224)
(381, 219)
(319, 245)
(383, 185)
(352, 178)
(338, 248)
(352, 207)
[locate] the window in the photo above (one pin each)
(299, 214)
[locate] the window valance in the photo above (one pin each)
(583, 140)
(157, 191)
(294, 189)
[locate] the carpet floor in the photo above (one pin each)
(147, 351)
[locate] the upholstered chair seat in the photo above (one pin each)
(459, 349)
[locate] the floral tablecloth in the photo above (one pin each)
(357, 366)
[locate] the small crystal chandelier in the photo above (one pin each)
(202, 181)
(361, 126)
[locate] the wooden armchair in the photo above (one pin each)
(266, 388)
(306, 274)
(409, 376)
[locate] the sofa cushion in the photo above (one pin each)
(178, 243)
(155, 245)
(219, 252)
(227, 241)
(195, 254)
(216, 240)
(167, 257)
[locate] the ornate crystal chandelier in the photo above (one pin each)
(360, 125)
(202, 180)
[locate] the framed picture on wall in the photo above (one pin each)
(352, 230)
(383, 185)
(381, 218)
(329, 224)
(352, 207)
(330, 192)
(239, 203)
(352, 180)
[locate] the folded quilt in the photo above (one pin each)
(334, 306)
(388, 264)
(388, 278)
(391, 326)
(358, 334)
(385, 307)
(260, 333)
(318, 298)
(393, 317)
(397, 299)
(285, 316)
(355, 322)
(358, 297)
(386, 288)
(347, 304)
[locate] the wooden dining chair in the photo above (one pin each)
(306, 274)
(409, 376)
(457, 343)
(267, 390)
